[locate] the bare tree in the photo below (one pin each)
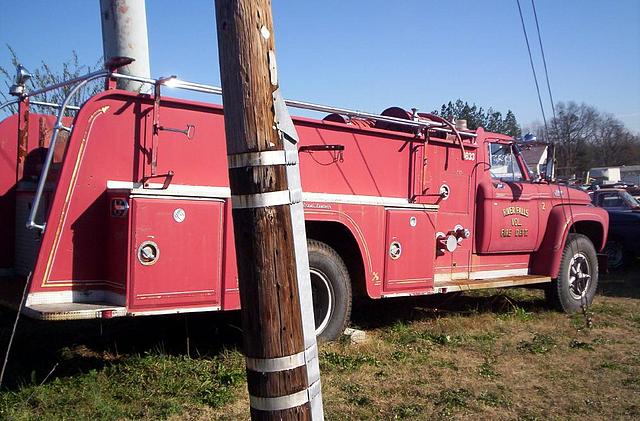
(586, 138)
(45, 75)
(571, 130)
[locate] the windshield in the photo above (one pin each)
(632, 201)
(618, 200)
(503, 162)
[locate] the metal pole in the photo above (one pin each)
(124, 34)
(283, 374)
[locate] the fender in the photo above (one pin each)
(372, 266)
(546, 261)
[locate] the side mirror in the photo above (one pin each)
(549, 168)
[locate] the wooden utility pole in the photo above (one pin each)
(277, 314)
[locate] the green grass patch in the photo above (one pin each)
(487, 368)
(149, 386)
(403, 334)
(518, 314)
(407, 411)
(539, 344)
(445, 364)
(356, 394)
(449, 400)
(494, 399)
(608, 309)
(343, 362)
(576, 344)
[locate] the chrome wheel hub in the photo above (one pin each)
(322, 293)
(579, 276)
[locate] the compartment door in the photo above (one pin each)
(175, 254)
(410, 250)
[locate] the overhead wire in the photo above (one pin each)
(544, 59)
(583, 296)
(533, 69)
(546, 74)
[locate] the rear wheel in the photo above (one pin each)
(331, 290)
(578, 276)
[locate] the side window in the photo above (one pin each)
(504, 165)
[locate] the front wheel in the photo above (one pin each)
(578, 276)
(331, 291)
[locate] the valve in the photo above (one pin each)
(148, 253)
(461, 233)
(446, 242)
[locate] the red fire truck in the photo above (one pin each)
(122, 207)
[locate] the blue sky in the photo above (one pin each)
(370, 55)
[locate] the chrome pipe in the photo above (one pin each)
(198, 87)
(360, 114)
(53, 105)
(134, 78)
(6, 104)
(439, 129)
(87, 77)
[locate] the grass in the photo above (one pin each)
(482, 355)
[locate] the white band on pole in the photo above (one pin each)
(270, 365)
(279, 403)
(263, 200)
(288, 401)
(257, 159)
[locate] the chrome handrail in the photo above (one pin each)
(80, 82)
(53, 105)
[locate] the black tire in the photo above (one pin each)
(331, 290)
(617, 256)
(578, 276)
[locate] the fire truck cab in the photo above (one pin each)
(122, 207)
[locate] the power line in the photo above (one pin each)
(533, 69)
(544, 60)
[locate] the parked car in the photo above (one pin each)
(623, 244)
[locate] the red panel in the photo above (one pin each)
(363, 168)
(188, 268)
(410, 250)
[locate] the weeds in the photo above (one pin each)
(446, 364)
(494, 399)
(343, 362)
(407, 411)
(517, 313)
(451, 399)
(356, 395)
(487, 368)
(576, 344)
(540, 344)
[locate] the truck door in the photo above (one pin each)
(507, 204)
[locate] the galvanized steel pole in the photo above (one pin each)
(275, 289)
(124, 34)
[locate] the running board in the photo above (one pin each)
(467, 285)
(74, 311)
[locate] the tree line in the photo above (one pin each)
(477, 116)
(584, 136)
